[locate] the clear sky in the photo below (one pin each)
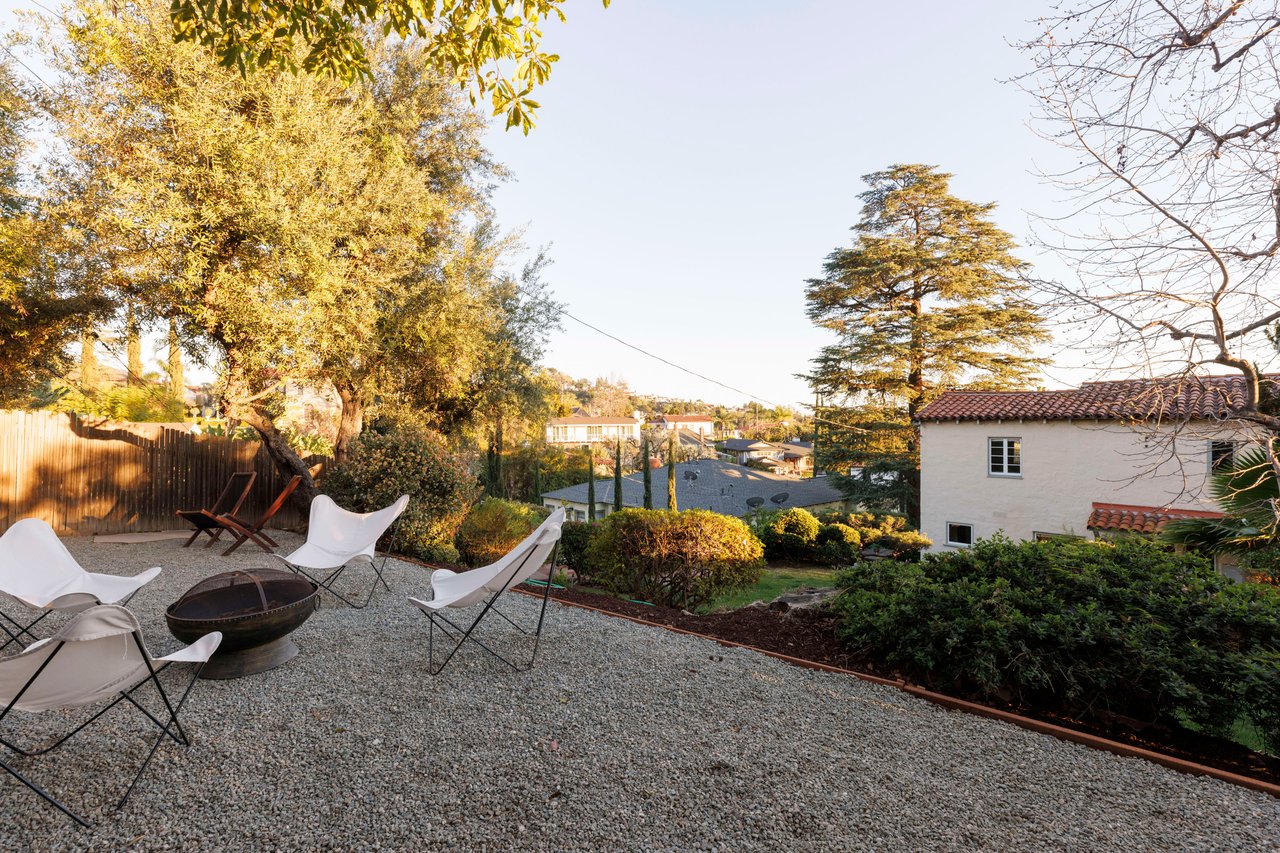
(695, 162)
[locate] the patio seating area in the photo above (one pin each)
(620, 737)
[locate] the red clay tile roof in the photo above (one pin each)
(1139, 519)
(1182, 398)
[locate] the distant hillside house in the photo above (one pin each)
(705, 484)
(703, 425)
(588, 429)
(1102, 460)
(747, 449)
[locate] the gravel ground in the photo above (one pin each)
(623, 737)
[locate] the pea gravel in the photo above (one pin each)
(623, 737)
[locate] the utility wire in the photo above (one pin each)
(559, 309)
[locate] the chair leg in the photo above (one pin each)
(44, 794)
(181, 736)
(21, 629)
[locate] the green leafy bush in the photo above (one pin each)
(1091, 629)
(679, 559)
(137, 403)
(788, 534)
(883, 532)
(416, 462)
(838, 544)
(575, 545)
(493, 527)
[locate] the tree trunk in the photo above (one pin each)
(133, 346)
(177, 384)
(256, 415)
(88, 359)
(350, 424)
(648, 473)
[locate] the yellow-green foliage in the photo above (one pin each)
(680, 559)
(493, 527)
(141, 404)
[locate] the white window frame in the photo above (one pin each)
(1004, 457)
(952, 544)
(1235, 450)
(595, 433)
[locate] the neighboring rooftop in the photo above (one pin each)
(590, 419)
(1177, 399)
(718, 486)
(1127, 518)
(737, 445)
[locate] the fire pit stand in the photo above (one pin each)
(255, 610)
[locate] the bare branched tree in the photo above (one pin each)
(1170, 112)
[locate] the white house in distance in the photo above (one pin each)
(1095, 461)
(702, 425)
(588, 429)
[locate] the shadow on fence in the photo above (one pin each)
(87, 476)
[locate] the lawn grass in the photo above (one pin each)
(773, 583)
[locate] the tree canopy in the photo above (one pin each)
(492, 47)
(928, 297)
(312, 232)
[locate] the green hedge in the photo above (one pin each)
(679, 559)
(835, 538)
(440, 486)
(493, 527)
(1089, 629)
(575, 544)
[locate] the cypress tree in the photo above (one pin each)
(617, 477)
(671, 472)
(537, 476)
(591, 485)
(648, 473)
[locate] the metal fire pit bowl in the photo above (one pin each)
(255, 611)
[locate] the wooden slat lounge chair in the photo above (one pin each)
(229, 502)
(246, 531)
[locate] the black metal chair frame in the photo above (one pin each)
(326, 583)
(465, 634)
(26, 629)
(179, 736)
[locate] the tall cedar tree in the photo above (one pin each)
(617, 477)
(671, 472)
(648, 473)
(928, 297)
(591, 484)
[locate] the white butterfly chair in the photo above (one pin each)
(465, 589)
(336, 536)
(38, 572)
(97, 655)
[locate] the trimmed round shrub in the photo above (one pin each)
(493, 527)
(790, 535)
(575, 544)
(413, 462)
(678, 559)
(1095, 630)
(838, 544)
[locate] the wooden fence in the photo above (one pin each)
(87, 476)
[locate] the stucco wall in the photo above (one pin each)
(1066, 466)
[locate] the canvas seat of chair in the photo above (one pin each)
(97, 656)
(37, 570)
(98, 659)
(336, 536)
(463, 589)
(485, 585)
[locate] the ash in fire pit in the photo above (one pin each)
(255, 611)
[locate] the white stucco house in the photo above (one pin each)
(1095, 461)
(588, 429)
(702, 425)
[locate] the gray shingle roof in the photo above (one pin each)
(736, 445)
(720, 486)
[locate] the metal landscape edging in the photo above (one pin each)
(1125, 750)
